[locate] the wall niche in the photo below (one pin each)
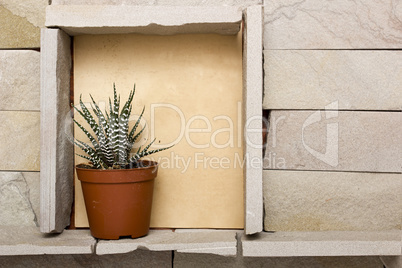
(197, 59)
(191, 88)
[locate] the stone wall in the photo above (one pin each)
(19, 133)
(324, 170)
(338, 168)
(145, 259)
(20, 23)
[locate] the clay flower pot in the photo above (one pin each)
(119, 201)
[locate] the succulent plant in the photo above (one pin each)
(113, 142)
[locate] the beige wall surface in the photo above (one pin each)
(191, 86)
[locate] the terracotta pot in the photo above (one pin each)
(118, 202)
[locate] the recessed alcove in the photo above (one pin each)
(190, 86)
(56, 172)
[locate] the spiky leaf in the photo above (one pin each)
(112, 142)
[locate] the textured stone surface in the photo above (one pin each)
(332, 243)
(17, 32)
(311, 24)
(311, 79)
(317, 201)
(392, 261)
(20, 23)
(32, 10)
(241, 3)
(19, 133)
(29, 241)
(57, 152)
(331, 140)
(160, 20)
(19, 80)
(252, 113)
(219, 242)
(320, 262)
(200, 260)
(139, 258)
(19, 198)
(205, 260)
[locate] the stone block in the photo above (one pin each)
(29, 241)
(392, 261)
(205, 260)
(241, 3)
(219, 242)
(19, 198)
(19, 133)
(316, 24)
(160, 20)
(201, 260)
(103, 2)
(323, 201)
(57, 152)
(332, 140)
(20, 23)
(32, 10)
(318, 262)
(331, 243)
(139, 258)
(33, 182)
(311, 79)
(252, 114)
(19, 80)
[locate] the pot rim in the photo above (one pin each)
(152, 164)
(118, 176)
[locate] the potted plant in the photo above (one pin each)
(117, 185)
